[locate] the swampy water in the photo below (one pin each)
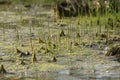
(83, 61)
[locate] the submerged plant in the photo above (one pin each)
(3, 33)
(62, 33)
(17, 36)
(39, 36)
(110, 23)
(40, 40)
(34, 57)
(2, 70)
(108, 35)
(22, 61)
(54, 59)
(78, 35)
(16, 52)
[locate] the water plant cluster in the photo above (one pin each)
(32, 37)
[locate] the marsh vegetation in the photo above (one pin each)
(40, 40)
